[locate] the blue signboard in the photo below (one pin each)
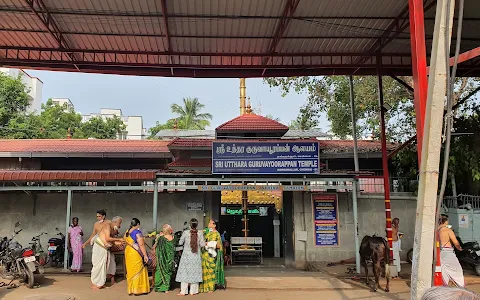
(265, 158)
(325, 219)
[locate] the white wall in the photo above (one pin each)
(34, 86)
(134, 128)
(134, 124)
(49, 210)
(371, 215)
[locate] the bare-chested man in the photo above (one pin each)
(101, 220)
(101, 256)
(451, 268)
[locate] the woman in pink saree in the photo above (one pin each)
(75, 241)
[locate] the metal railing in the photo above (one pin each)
(374, 185)
(462, 201)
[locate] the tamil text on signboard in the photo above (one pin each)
(265, 158)
(325, 219)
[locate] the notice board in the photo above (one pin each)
(325, 220)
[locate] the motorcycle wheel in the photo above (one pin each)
(410, 256)
(42, 260)
(28, 277)
(477, 270)
(53, 262)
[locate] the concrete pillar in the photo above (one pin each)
(425, 223)
(276, 235)
(67, 225)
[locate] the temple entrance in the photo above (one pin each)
(265, 221)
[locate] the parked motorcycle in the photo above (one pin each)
(17, 262)
(470, 256)
(56, 250)
(36, 245)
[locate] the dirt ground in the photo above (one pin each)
(243, 283)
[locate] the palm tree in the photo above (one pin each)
(189, 115)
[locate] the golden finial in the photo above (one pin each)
(249, 107)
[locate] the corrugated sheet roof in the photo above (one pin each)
(200, 30)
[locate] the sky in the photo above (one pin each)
(151, 97)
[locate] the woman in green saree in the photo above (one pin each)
(212, 261)
(165, 251)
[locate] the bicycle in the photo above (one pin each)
(36, 245)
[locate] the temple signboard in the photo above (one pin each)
(265, 157)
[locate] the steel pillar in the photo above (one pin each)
(419, 67)
(67, 225)
(386, 179)
(155, 206)
(355, 227)
(425, 223)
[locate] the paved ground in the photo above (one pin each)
(243, 283)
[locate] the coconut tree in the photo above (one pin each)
(190, 115)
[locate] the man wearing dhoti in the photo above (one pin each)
(396, 245)
(101, 256)
(451, 268)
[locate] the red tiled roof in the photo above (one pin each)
(252, 122)
(115, 175)
(84, 146)
(207, 143)
(333, 146)
(191, 163)
(184, 172)
(190, 143)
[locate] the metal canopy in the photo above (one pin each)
(187, 183)
(219, 38)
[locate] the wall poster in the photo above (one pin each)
(325, 220)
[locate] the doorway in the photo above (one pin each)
(263, 221)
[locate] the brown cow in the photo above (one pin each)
(375, 248)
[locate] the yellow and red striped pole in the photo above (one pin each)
(386, 180)
(437, 276)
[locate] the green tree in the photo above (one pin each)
(331, 95)
(57, 122)
(13, 98)
(271, 117)
(24, 126)
(99, 128)
(306, 119)
(190, 115)
(153, 131)
(465, 149)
